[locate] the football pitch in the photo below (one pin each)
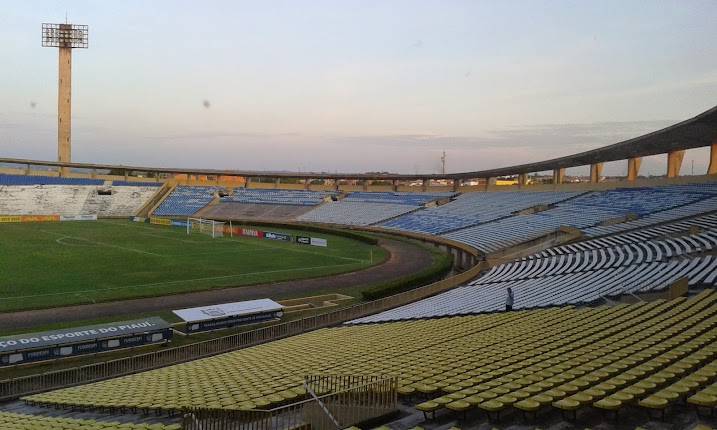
(56, 264)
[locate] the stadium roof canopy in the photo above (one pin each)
(695, 132)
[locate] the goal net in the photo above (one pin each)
(205, 226)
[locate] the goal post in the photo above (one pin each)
(205, 226)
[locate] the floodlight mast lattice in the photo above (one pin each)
(65, 37)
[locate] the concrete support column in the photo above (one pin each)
(277, 181)
(364, 184)
(64, 110)
(489, 182)
(424, 184)
(456, 185)
(712, 169)
(595, 172)
(633, 168)
(558, 176)
(126, 175)
(523, 179)
(394, 185)
(27, 169)
(247, 181)
(307, 184)
(674, 163)
(93, 174)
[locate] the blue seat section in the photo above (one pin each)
(186, 201)
(277, 197)
(582, 212)
(473, 208)
(46, 180)
(136, 184)
(585, 272)
(411, 199)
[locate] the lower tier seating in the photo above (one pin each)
(562, 358)
(245, 211)
(12, 421)
(355, 212)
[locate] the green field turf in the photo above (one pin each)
(54, 264)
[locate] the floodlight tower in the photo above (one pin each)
(66, 37)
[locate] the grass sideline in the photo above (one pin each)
(439, 259)
(59, 264)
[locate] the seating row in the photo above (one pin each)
(349, 212)
(692, 209)
(13, 421)
(602, 258)
(586, 211)
(401, 198)
(579, 288)
(46, 180)
(490, 361)
(186, 200)
(279, 197)
(473, 208)
(700, 223)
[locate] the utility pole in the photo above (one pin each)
(443, 163)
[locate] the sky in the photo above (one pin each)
(354, 86)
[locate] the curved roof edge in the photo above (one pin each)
(695, 132)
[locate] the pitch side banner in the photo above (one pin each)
(80, 334)
(277, 236)
(78, 217)
(251, 232)
(179, 224)
(160, 221)
(29, 218)
(303, 240)
(317, 241)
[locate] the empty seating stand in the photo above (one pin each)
(562, 359)
(13, 421)
(186, 200)
(584, 212)
(364, 208)
(114, 201)
(473, 208)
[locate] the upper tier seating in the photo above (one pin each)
(704, 223)
(695, 208)
(493, 362)
(278, 197)
(46, 180)
(73, 200)
(136, 184)
(13, 421)
(473, 208)
(349, 212)
(186, 200)
(582, 212)
(367, 208)
(412, 199)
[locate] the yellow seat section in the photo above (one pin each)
(643, 354)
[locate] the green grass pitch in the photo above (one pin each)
(55, 264)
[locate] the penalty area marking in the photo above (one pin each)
(159, 284)
(109, 245)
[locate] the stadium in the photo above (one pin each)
(166, 298)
